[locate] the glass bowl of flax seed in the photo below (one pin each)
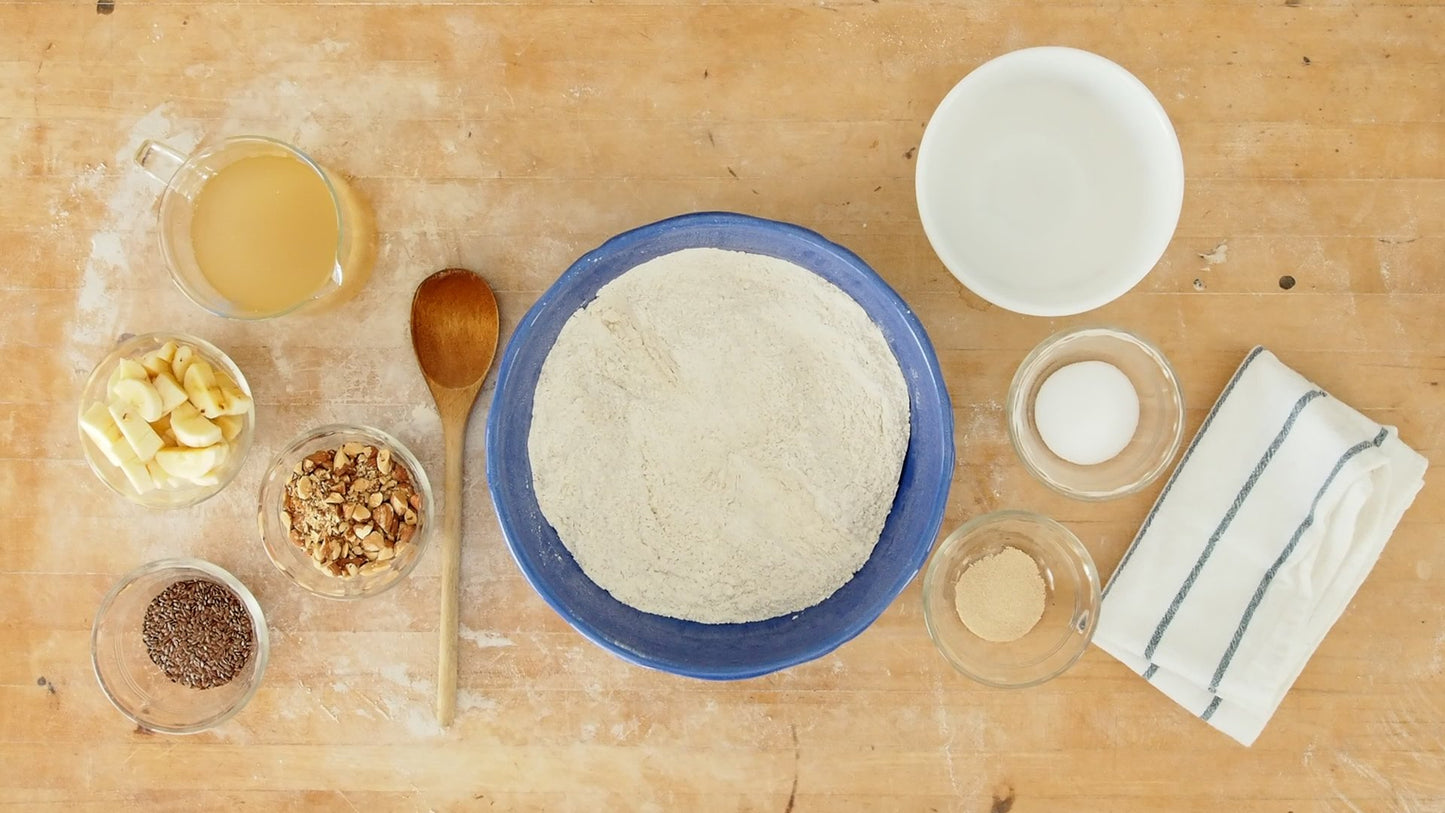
(345, 511)
(179, 646)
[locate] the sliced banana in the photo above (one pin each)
(130, 368)
(203, 390)
(213, 477)
(140, 394)
(139, 435)
(163, 428)
(102, 431)
(234, 401)
(200, 374)
(136, 472)
(231, 425)
(161, 479)
(210, 478)
(192, 428)
(154, 364)
(126, 368)
(170, 419)
(186, 463)
(182, 359)
(172, 395)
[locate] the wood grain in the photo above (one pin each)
(510, 137)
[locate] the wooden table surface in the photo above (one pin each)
(512, 136)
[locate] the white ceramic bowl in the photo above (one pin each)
(1050, 181)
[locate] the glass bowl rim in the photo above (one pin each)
(279, 465)
(1013, 407)
(1070, 546)
(260, 634)
(113, 356)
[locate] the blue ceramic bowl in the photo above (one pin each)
(720, 651)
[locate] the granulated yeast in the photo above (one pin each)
(1000, 597)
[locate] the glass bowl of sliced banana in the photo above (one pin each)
(166, 420)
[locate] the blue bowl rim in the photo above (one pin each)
(933, 373)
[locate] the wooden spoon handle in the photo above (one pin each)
(451, 575)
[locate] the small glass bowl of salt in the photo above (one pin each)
(1095, 413)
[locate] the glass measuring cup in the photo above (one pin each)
(218, 286)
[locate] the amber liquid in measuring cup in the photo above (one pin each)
(264, 232)
(253, 228)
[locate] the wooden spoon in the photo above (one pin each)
(454, 333)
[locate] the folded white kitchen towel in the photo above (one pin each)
(1273, 518)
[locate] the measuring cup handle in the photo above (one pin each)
(158, 160)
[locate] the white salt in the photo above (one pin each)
(1087, 412)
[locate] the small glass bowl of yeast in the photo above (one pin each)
(1070, 600)
(166, 420)
(345, 511)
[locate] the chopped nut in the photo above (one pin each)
(385, 519)
(348, 508)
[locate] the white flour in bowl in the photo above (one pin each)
(718, 436)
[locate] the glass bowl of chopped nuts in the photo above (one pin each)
(345, 511)
(179, 645)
